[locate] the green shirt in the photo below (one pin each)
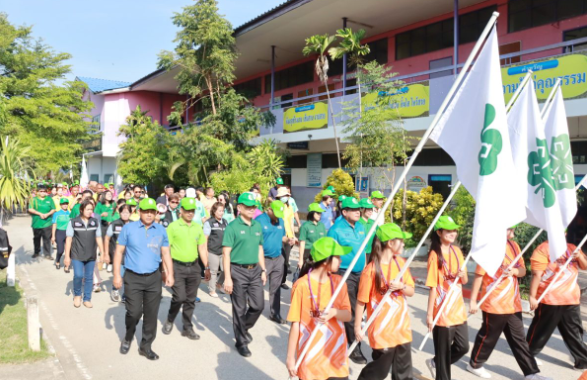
(44, 206)
(367, 224)
(244, 241)
(100, 208)
(310, 232)
(184, 240)
(74, 211)
(200, 213)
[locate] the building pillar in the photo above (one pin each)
(272, 74)
(456, 36)
(344, 62)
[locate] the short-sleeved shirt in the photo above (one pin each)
(454, 313)
(272, 235)
(328, 355)
(293, 204)
(392, 326)
(44, 206)
(374, 216)
(61, 219)
(69, 231)
(56, 200)
(208, 203)
(143, 246)
(566, 291)
(288, 217)
(244, 240)
(367, 224)
(74, 211)
(200, 213)
(327, 216)
(349, 236)
(72, 201)
(273, 192)
(505, 299)
(310, 232)
(100, 208)
(184, 240)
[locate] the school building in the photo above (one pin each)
(424, 41)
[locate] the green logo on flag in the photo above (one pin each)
(491, 143)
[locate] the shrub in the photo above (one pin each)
(421, 208)
(342, 183)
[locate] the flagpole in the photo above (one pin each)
(410, 163)
(407, 264)
(548, 101)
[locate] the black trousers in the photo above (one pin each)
(143, 296)
(185, 291)
(285, 251)
(352, 284)
(274, 268)
(513, 328)
(396, 359)
(45, 234)
(60, 236)
(568, 320)
(247, 287)
(450, 345)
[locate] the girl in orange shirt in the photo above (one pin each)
(327, 356)
(450, 335)
(390, 334)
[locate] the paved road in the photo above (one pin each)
(86, 341)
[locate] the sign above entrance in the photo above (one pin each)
(410, 101)
(416, 183)
(307, 117)
(301, 145)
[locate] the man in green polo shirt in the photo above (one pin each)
(41, 208)
(367, 222)
(244, 268)
(182, 235)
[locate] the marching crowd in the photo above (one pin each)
(184, 236)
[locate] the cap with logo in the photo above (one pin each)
(247, 199)
(325, 247)
(377, 194)
(445, 222)
(279, 181)
(390, 231)
(342, 197)
(131, 202)
(331, 188)
(328, 193)
(315, 207)
(277, 207)
(188, 204)
(350, 202)
(148, 204)
(63, 201)
(366, 203)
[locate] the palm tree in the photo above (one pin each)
(319, 44)
(14, 188)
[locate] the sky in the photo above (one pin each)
(115, 39)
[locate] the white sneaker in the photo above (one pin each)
(431, 367)
(109, 269)
(97, 288)
(538, 362)
(115, 295)
(481, 372)
(537, 376)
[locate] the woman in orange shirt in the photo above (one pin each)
(390, 334)
(327, 356)
(502, 312)
(450, 335)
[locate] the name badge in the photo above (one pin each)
(77, 224)
(257, 234)
(242, 232)
(117, 229)
(215, 224)
(311, 231)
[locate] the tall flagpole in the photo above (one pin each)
(400, 180)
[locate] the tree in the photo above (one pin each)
(14, 189)
(51, 118)
(419, 210)
(342, 183)
(319, 44)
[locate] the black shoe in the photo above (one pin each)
(289, 271)
(149, 354)
(277, 319)
(244, 351)
(357, 356)
(36, 255)
(285, 286)
(249, 337)
(167, 327)
(190, 333)
(124, 347)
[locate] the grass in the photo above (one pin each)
(13, 328)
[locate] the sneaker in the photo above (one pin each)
(431, 367)
(537, 376)
(198, 300)
(220, 289)
(213, 295)
(538, 362)
(49, 257)
(115, 295)
(109, 269)
(97, 288)
(481, 372)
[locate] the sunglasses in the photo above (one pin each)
(174, 202)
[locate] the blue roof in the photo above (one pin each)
(99, 85)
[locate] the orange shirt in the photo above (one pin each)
(391, 327)
(584, 375)
(566, 290)
(454, 312)
(328, 355)
(505, 299)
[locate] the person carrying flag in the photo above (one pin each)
(367, 222)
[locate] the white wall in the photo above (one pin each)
(101, 166)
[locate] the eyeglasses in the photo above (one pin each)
(174, 202)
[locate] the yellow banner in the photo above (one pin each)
(410, 101)
(311, 116)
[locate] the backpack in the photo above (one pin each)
(5, 249)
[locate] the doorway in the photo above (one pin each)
(441, 183)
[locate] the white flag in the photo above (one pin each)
(473, 131)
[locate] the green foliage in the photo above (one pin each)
(420, 210)
(14, 189)
(49, 117)
(342, 183)
(463, 213)
(350, 44)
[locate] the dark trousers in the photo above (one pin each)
(247, 286)
(568, 320)
(396, 359)
(45, 234)
(513, 328)
(285, 250)
(274, 268)
(185, 291)
(143, 296)
(352, 284)
(60, 241)
(450, 345)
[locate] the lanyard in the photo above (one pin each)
(566, 257)
(450, 276)
(385, 278)
(316, 300)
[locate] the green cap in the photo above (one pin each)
(315, 207)
(246, 199)
(342, 197)
(131, 202)
(377, 194)
(350, 202)
(279, 181)
(445, 222)
(148, 204)
(327, 192)
(325, 247)
(390, 231)
(63, 201)
(366, 203)
(188, 204)
(64, 184)
(331, 188)
(277, 207)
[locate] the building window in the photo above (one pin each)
(525, 14)
(574, 34)
(95, 177)
(472, 24)
(292, 76)
(440, 63)
(249, 89)
(426, 39)
(109, 178)
(378, 51)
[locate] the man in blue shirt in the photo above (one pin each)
(327, 216)
(273, 238)
(145, 245)
(348, 232)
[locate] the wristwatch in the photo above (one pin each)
(263, 270)
(207, 268)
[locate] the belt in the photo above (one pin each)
(184, 263)
(272, 258)
(245, 266)
(141, 274)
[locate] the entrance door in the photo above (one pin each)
(441, 183)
